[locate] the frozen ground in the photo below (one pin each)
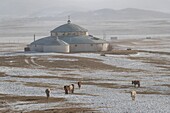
(107, 91)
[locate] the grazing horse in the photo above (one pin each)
(69, 88)
(48, 91)
(136, 82)
(79, 84)
(66, 89)
(133, 95)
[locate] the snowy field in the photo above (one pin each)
(105, 91)
(106, 85)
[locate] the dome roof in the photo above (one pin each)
(68, 40)
(48, 41)
(69, 27)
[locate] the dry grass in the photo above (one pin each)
(167, 85)
(34, 99)
(43, 62)
(2, 74)
(30, 99)
(33, 84)
(82, 63)
(39, 99)
(68, 77)
(13, 61)
(66, 110)
(165, 67)
(152, 92)
(122, 52)
(151, 60)
(10, 80)
(108, 85)
(157, 52)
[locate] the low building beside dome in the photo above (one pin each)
(69, 38)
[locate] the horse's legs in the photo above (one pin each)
(133, 97)
(139, 85)
(134, 85)
(48, 95)
(65, 89)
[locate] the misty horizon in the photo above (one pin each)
(25, 8)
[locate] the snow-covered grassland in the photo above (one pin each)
(107, 91)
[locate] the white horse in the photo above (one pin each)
(71, 88)
(133, 94)
(48, 91)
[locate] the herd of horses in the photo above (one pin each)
(70, 89)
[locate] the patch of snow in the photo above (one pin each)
(23, 71)
(64, 59)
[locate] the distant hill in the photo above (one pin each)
(104, 14)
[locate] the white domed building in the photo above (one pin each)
(69, 38)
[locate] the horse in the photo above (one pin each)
(79, 84)
(48, 91)
(133, 94)
(69, 89)
(66, 89)
(136, 82)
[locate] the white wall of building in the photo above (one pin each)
(86, 47)
(105, 47)
(57, 48)
(48, 48)
(70, 48)
(38, 48)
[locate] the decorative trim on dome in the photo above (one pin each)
(69, 21)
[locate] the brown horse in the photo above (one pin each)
(136, 82)
(79, 84)
(69, 89)
(66, 89)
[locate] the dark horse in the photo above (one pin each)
(66, 89)
(47, 91)
(136, 82)
(79, 84)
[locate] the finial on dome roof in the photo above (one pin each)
(69, 21)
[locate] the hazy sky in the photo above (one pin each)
(25, 7)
